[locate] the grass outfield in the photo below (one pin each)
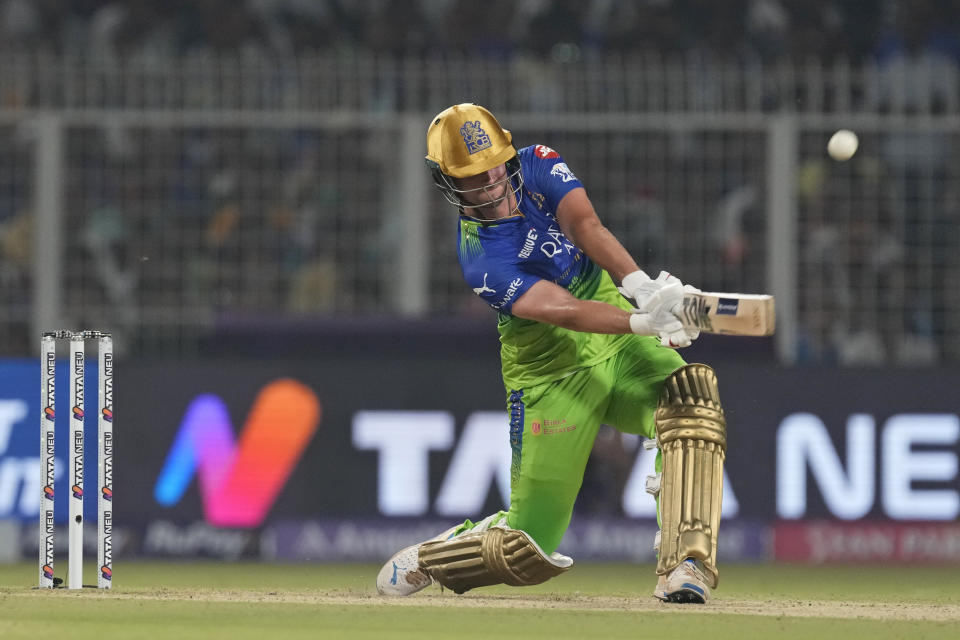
(220, 600)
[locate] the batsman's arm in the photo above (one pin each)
(552, 304)
(580, 223)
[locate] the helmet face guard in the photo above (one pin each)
(466, 140)
(496, 192)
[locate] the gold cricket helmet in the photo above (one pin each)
(466, 140)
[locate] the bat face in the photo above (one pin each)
(737, 314)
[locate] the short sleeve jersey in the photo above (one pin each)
(502, 259)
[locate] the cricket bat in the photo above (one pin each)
(734, 314)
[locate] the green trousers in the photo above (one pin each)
(553, 427)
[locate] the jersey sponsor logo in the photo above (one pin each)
(551, 248)
(475, 137)
(483, 288)
(562, 171)
(545, 152)
(535, 428)
(511, 291)
(528, 244)
(557, 426)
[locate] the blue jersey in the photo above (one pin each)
(501, 259)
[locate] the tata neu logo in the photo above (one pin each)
(239, 481)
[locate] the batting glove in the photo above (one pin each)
(659, 306)
(666, 291)
(663, 324)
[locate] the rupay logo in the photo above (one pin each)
(239, 481)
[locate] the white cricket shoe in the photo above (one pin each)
(401, 575)
(686, 584)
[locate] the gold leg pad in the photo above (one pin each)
(495, 556)
(692, 433)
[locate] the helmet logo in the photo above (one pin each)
(475, 137)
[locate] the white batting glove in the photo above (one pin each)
(666, 291)
(660, 304)
(663, 324)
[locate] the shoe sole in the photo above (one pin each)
(684, 596)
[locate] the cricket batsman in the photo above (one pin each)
(575, 354)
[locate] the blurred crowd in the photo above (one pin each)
(196, 221)
(561, 29)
